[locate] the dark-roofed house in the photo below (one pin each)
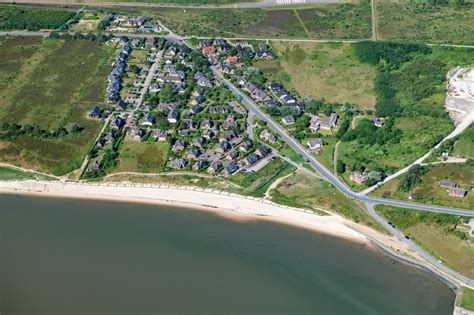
(149, 120)
(199, 165)
(178, 146)
(262, 151)
(206, 124)
(194, 153)
(246, 146)
(118, 122)
(199, 142)
(249, 87)
(214, 167)
(160, 135)
(224, 146)
(251, 159)
(178, 164)
(230, 169)
(232, 155)
(173, 116)
(95, 113)
(121, 105)
(209, 134)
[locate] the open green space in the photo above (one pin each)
(442, 235)
(330, 71)
(29, 18)
(303, 190)
(141, 157)
(466, 298)
(256, 184)
(7, 173)
(338, 21)
(50, 87)
(410, 89)
(426, 190)
(464, 144)
(448, 22)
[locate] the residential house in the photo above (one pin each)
(232, 59)
(230, 169)
(214, 167)
(149, 120)
(121, 105)
(218, 109)
(206, 124)
(178, 146)
(199, 142)
(333, 119)
(118, 122)
(223, 147)
(195, 109)
(193, 153)
(246, 146)
(225, 69)
(188, 124)
(377, 122)
(316, 143)
(288, 120)
(160, 135)
(232, 155)
(447, 184)
(249, 87)
(262, 151)
(251, 159)
(456, 192)
(237, 108)
(209, 134)
(173, 116)
(230, 122)
(199, 165)
(95, 113)
(267, 136)
(135, 133)
(179, 163)
(358, 178)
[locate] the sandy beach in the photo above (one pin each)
(232, 206)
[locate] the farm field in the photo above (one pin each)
(442, 235)
(338, 21)
(141, 157)
(412, 20)
(330, 71)
(51, 85)
(303, 190)
(428, 192)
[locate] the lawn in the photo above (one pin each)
(51, 84)
(466, 298)
(303, 190)
(257, 184)
(330, 71)
(421, 21)
(141, 157)
(339, 21)
(439, 234)
(428, 192)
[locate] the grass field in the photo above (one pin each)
(7, 173)
(346, 20)
(330, 71)
(436, 234)
(13, 17)
(428, 192)
(303, 190)
(256, 184)
(141, 157)
(418, 20)
(51, 84)
(466, 298)
(464, 145)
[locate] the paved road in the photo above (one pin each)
(417, 249)
(149, 78)
(329, 176)
(240, 5)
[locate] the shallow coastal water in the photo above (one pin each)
(89, 257)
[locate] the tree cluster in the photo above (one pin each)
(33, 19)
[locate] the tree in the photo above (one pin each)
(412, 177)
(340, 167)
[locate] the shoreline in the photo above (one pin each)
(232, 206)
(229, 206)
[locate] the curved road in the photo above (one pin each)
(328, 175)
